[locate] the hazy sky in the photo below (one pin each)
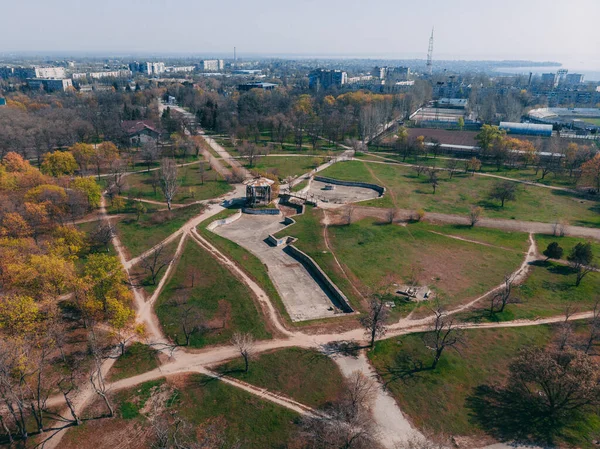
(464, 29)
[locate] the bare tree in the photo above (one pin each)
(168, 180)
(594, 329)
(96, 378)
(149, 153)
(559, 228)
(566, 329)
(391, 215)
(101, 235)
(475, 215)
(202, 172)
(444, 334)
(156, 261)
(452, 166)
(244, 343)
(433, 179)
(503, 297)
(347, 423)
(420, 169)
(374, 320)
(504, 191)
(251, 152)
(348, 214)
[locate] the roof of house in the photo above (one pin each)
(136, 126)
(259, 182)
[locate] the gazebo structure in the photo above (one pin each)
(258, 191)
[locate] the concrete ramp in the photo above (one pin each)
(304, 298)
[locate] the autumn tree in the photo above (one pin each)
(374, 321)
(84, 155)
(472, 165)
(90, 189)
(168, 180)
(590, 172)
(59, 163)
(487, 137)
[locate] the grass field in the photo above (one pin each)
(305, 375)
(138, 359)
(456, 196)
(210, 406)
(283, 166)
(566, 243)
(190, 185)
(593, 121)
(440, 399)
(225, 304)
(376, 255)
(151, 229)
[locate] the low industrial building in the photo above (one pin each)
(249, 86)
(527, 129)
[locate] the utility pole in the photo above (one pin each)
(430, 55)
(234, 58)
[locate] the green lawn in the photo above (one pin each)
(224, 303)
(283, 166)
(207, 404)
(440, 400)
(151, 229)
(456, 196)
(138, 358)
(375, 255)
(305, 375)
(593, 121)
(191, 187)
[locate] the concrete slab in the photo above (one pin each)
(304, 298)
(340, 194)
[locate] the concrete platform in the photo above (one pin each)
(340, 194)
(304, 298)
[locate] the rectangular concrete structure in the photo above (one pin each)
(304, 297)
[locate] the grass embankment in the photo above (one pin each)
(191, 187)
(212, 408)
(151, 229)
(305, 375)
(247, 261)
(457, 195)
(143, 278)
(223, 304)
(138, 358)
(375, 255)
(440, 399)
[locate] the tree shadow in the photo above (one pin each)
(509, 415)
(344, 348)
(405, 368)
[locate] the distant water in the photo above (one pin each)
(589, 75)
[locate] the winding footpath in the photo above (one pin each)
(393, 426)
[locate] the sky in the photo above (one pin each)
(464, 29)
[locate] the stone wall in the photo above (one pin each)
(366, 185)
(342, 302)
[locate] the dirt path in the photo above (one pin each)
(456, 237)
(392, 426)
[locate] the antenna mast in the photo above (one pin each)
(430, 55)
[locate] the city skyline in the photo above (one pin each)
(465, 29)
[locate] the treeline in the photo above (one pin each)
(63, 298)
(285, 112)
